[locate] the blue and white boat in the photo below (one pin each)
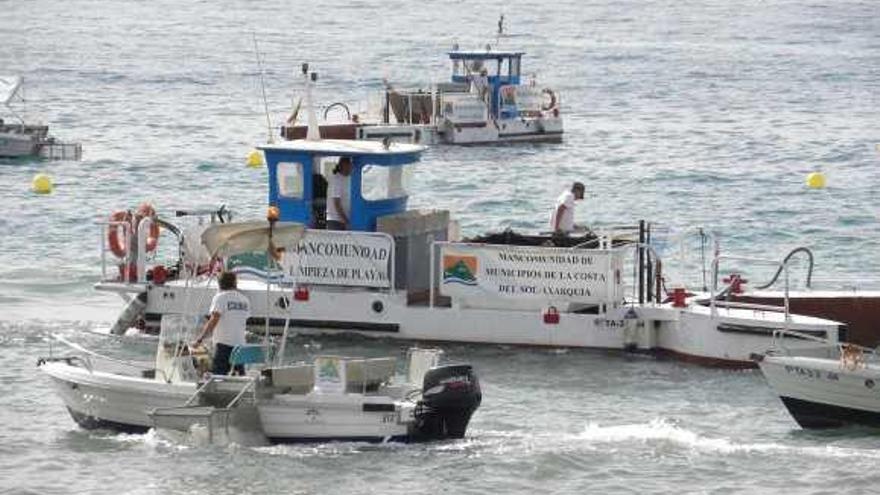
(404, 273)
(486, 100)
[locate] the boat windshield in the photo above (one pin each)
(8, 88)
(379, 183)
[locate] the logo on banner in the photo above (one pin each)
(459, 269)
(328, 370)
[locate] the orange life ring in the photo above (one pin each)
(115, 240)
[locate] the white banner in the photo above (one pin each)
(464, 109)
(340, 258)
(553, 274)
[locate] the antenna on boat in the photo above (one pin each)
(313, 133)
(500, 32)
(263, 87)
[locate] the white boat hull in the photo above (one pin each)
(319, 418)
(726, 339)
(106, 400)
(821, 393)
(531, 129)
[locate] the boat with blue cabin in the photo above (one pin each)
(404, 273)
(486, 100)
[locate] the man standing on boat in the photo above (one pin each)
(338, 196)
(230, 310)
(562, 218)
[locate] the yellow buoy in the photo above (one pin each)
(255, 159)
(816, 180)
(42, 184)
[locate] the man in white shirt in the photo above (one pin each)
(562, 218)
(338, 199)
(229, 312)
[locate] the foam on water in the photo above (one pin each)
(661, 432)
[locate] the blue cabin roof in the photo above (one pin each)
(378, 152)
(483, 55)
(298, 185)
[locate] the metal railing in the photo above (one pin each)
(826, 348)
(715, 293)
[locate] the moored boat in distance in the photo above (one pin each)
(487, 100)
(22, 140)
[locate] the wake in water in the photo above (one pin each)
(661, 432)
(657, 436)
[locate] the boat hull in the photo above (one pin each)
(109, 401)
(320, 418)
(527, 130)
(17, 145)
(100, 400)
(726, 339)
(820, 393)
(815, 415)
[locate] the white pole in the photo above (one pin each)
(313, 133)
(143, 231)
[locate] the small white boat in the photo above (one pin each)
(19, 139)
(333, 398)
(827, 385)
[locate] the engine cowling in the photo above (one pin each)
(450, 395)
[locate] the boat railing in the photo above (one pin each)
(851, 355)
(89, 354)
(133, 264)
(104, 230)
(716, 293)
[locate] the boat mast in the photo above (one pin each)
(270, 140)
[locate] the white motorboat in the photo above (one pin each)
(824, 385)
(333, 398)
(487, 100)
(20, 139)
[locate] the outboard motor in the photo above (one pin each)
(450, 395)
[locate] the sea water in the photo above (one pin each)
(704, 113)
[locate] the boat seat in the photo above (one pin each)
(366, 375)
(299, 379)
(247, 354)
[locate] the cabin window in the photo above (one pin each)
(379, 183)
(290, 180)
(457, 68)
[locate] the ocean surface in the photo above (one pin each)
(699, 113)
